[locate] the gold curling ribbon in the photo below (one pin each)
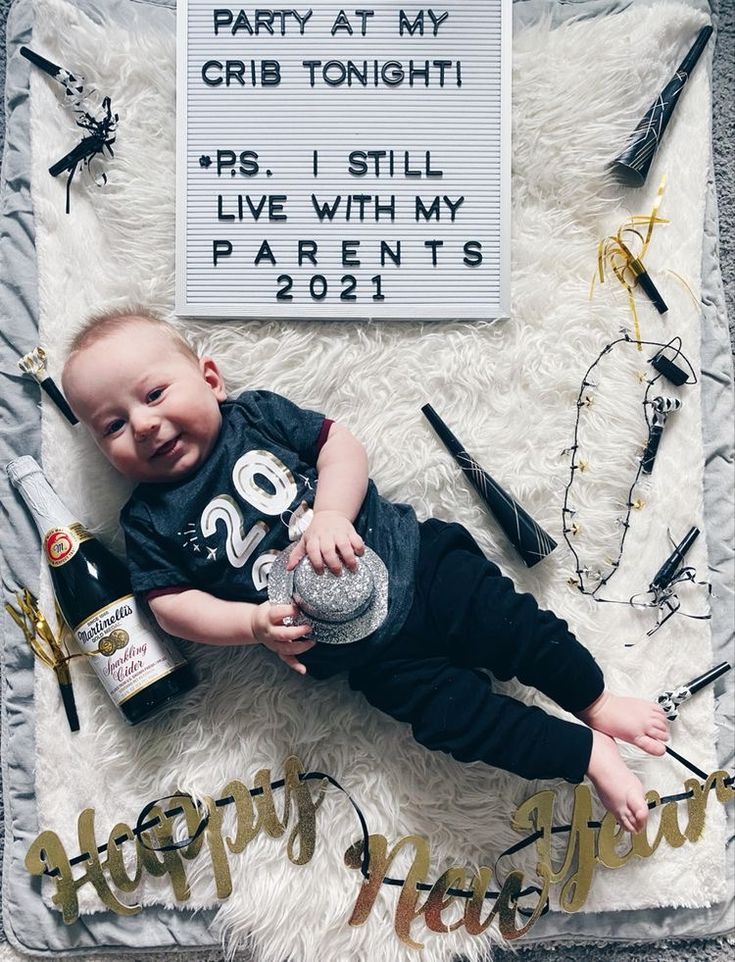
(39, 634)
(46, 645)
(688, 289)
(624, 264)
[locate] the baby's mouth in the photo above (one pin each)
(166, 448)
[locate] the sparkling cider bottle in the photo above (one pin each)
(140, 671)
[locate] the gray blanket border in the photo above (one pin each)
(175, 930)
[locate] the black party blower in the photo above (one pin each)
(75, 156)
(52, 69)
(665, 574)
(701, 681)
(632, 165)
(644, 281)
(531, 541)
(34, 363)
(67, 697)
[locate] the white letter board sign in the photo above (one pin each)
(338, 162)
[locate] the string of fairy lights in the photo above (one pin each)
(591, 581)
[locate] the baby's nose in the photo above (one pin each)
(144, 425)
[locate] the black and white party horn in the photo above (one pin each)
(52, 69)
(632, 165)
(670, 700)
(93, 114)
(531, 541)
(662, 407)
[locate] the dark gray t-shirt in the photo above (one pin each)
(219, 529)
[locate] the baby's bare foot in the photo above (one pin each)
(620, 791)
(634, 720)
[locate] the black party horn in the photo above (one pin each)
(632, 165)
(701, 681)
(52, 69)
(666, 573)
(531, 541)
(644, 280)
(671, 699)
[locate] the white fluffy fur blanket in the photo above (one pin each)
(508, 390)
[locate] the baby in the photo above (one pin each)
(220, 482)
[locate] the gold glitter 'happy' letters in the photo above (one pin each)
(255, 813)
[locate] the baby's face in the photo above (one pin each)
(153, 411)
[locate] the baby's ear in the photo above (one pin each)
(211, 374)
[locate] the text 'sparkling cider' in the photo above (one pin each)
(140, 671)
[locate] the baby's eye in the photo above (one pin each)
(154, 394)
(113, 427)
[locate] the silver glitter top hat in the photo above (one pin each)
(341, 608)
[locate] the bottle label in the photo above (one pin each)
(124, 652)
(61, 544)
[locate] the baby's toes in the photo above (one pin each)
(653, 746)
(654, 723)
(659, 719)
(657, 730)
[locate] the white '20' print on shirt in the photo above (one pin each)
(241, 544)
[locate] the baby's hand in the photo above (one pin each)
(286, 640)
(329, 540)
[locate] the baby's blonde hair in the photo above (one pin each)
(105, 323)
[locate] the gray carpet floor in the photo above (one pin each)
(724, 163)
